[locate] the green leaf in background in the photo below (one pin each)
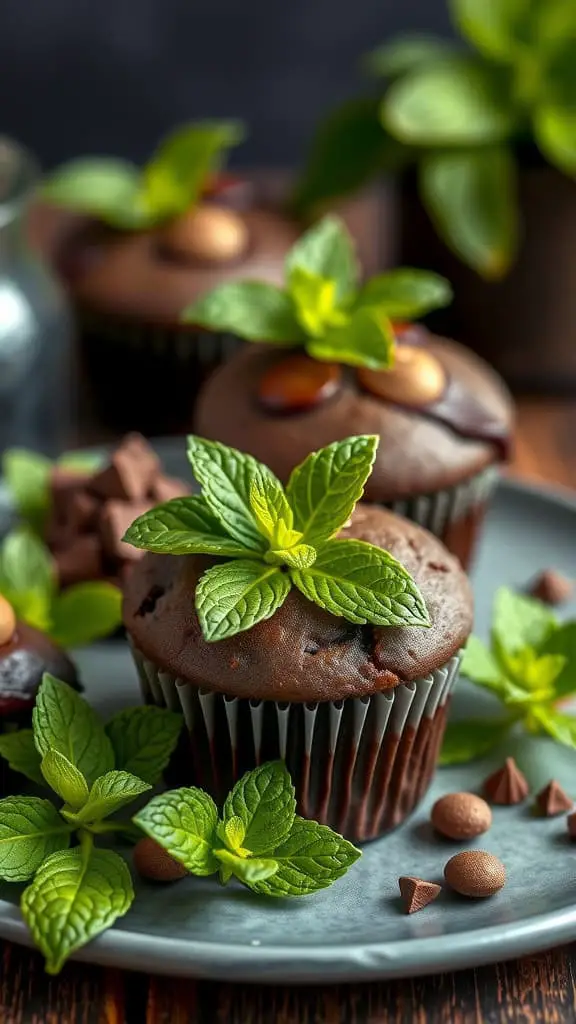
(555, 130)
(63, 721)
(561, 727)
(449, 104)
(183, 526)
(406, 293)
(366, 340)
(327, 250)
(102, 187)
(363, 584)
(233, 597)
(470, 196)
(75, 895)
(324, 489)
(80, 462)
(184, 822)
(248, 871)
(143, 739)
(27, 476)
(25, 562)
(264, 802)
(519, 621)
(480, 665)
(468, 739)
(310, 859)
(497, 28)
(249, 309)
(19, 750)
(30, 830)
(65, 779)
(108, 794)
(404, 53)
(84, 612)
(30, 606)
(314, 299)
(561, 641)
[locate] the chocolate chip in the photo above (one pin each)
(551, 587)
(552, 800)
(416, 893)
(150, 601)
(475, 873)
(461, 815)
(507, 786)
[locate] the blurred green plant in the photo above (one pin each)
(456, 116)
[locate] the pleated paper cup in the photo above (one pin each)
(360, 765)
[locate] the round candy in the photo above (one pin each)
(152, 861)
(475, 873)
(416, 379)
(461, 815)
(7, 621)
(297, 383)
(208, 233)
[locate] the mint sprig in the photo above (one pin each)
(259, 839)
(322, 308)
(133, 199)
(77, 616)
(278, 538)
(529, 666)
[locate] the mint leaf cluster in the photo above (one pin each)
(530, 666)
(79, 615)
(132, 198)
(322, 306)
(27, 476)
(259, 839)
(274, 538)
(75, 893)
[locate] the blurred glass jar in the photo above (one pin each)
(35, 322)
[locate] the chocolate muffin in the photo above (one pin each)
(443, 415)
(357, 712)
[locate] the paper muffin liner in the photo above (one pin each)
(360, 765)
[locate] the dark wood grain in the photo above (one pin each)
(529, 991)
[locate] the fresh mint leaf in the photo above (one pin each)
(471, 738)
(183, 822)
(19, 750)
(65, 779)
(269, 505)
(143, 739)
(183, 526)
(312, 857)
(27, 476)
(63, 721)
(367, 339)
(30, 831)
(75, 895)
(480, 665)
(102, 187)
(560, 726)
(327, 250)
(26, 563)
(264, 802)
(233, 597)
(314, 300)
(561, 641)
(363, 584)
(556, 137)
(498, 30)
(536, 673)
(247, 870)
(252, 310)
(233, 831)
(324, 489)
(108, 794)
(406, 293)
(85, 612)
(300, 556)
(404, 53)
(520, 621)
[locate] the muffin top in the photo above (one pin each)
(424, 448)
(303, 653)
(23, 661)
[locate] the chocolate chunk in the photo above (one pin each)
(508, 785)
(461, 815)
(475, 873)
(552, 800)
(115, 518)
(552, 587)
(79, 561)
(164, 488)
(416, 893)
(130, 473)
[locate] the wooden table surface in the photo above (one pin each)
(540, 988)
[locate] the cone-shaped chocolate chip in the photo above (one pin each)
(552, 800)
(508, 785)
(416, 893)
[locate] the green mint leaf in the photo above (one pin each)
(175, 177)
(233, 831)
(247, 870)
(561, 641)
(471, 738)
(30, 606)
(85, 612)
(560, 726)
(25, 563)
(184, 822)
(327, 250)
(183, 526)
(101, 187)
(367, 339)
(406, 293)
(19, 750)
(404, 53)
(65, 779)
(314, 300)
(234, 597)
(75, 895)
(108, 794)
(227, 477)
(536, 673)
(269, 505)
(555, 135)
(324, 489)
(63, 721)
(263, 800)
(252, 310)
(496, 29)
(30, 831)
(143, 739)
(457, 103)
(470, 195)
(311, 858)
(480, 665)
(519, 621)
(363, 584)
(27, 477)
(300, 556)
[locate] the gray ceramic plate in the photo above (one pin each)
(356, 930)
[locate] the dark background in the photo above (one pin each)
(111, 76)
